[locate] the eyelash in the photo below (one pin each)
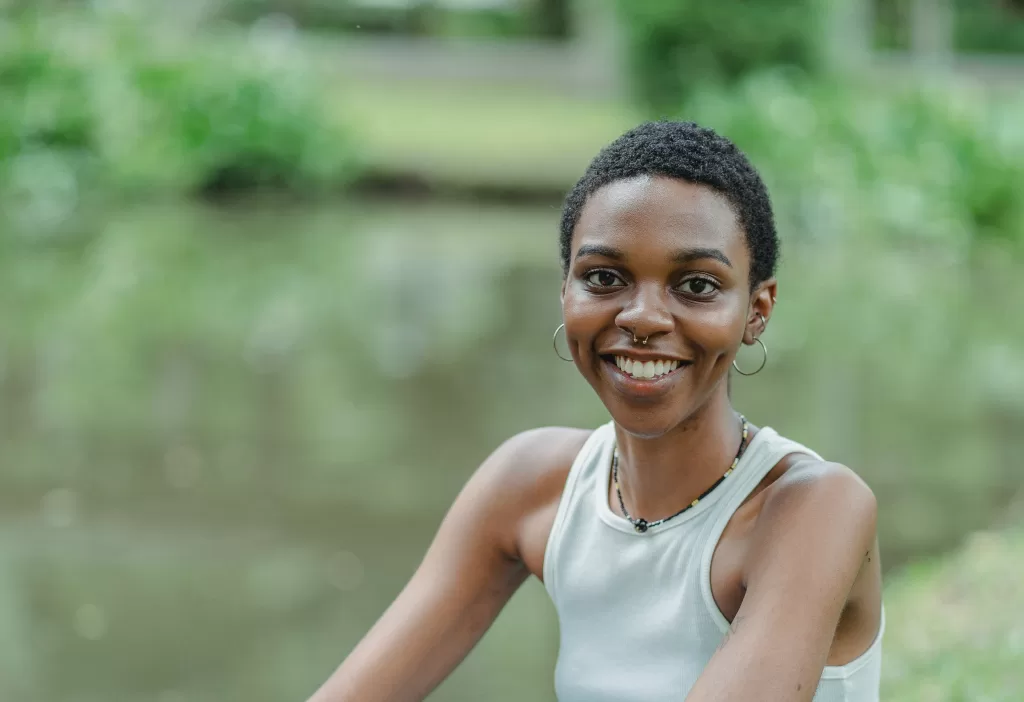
(703, 278)
(589, 274)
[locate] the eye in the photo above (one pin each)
(603, 278)
(698, 287)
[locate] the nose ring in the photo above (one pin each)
(642, 342)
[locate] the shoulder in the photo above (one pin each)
(821, 490)
(531, 467)
(542, 447)
(524, 476)
(815, 508)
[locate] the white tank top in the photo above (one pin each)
(638, 621)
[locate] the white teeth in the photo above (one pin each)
(642, 370)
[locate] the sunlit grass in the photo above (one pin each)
(479, 137)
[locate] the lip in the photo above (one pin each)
(645, 387)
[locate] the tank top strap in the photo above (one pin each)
(765, 451)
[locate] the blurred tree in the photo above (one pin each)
(989, 26)
(676, 45)
(978, 26)
(513, 18)
(553, 17)
(892, 24)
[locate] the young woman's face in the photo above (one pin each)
(664, 260)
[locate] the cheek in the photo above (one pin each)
(585, 316)
(714, 328)
(578, 307)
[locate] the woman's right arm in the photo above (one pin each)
(470, 571)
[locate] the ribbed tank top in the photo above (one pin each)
(637, 619)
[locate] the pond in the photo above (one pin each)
(230, 432)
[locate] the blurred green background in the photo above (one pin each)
(276, 275)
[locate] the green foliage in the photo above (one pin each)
(677, 45)
(955, 631)
(935, 165)
(891, 24)
(108, 102)
(992, 26)
(979, 26)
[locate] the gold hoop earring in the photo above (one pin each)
(554, 343)
(760, 367)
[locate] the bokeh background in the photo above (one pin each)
(276, 275)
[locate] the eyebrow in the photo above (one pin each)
(687, 255)
(598, 250)
(681, 256)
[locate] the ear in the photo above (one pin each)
(762, 302)
(565, 281)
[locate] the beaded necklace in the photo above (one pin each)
(642, 525)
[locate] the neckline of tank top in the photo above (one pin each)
(604, 475)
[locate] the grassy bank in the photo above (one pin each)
(956, 625)
(451, 136)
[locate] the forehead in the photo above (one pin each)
(660, 211)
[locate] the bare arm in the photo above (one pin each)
(811, 538)
(469, 573)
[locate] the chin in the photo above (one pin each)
(646, 408)
(649, 422)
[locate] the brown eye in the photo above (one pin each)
(699, 287)
(603, 279)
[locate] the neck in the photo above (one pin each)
(661, 475)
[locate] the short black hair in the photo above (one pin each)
(696, 154)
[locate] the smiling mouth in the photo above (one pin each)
(644, 370)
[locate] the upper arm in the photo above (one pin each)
(815, 527)
(467, 575)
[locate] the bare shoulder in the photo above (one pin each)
(811, 489)
(819, 519)
(523, 481)
(542, 454)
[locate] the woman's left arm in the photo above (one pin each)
(815, 528)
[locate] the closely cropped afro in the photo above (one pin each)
(689, 152)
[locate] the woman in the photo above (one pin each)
(689, 554)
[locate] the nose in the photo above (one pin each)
(646, 314)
